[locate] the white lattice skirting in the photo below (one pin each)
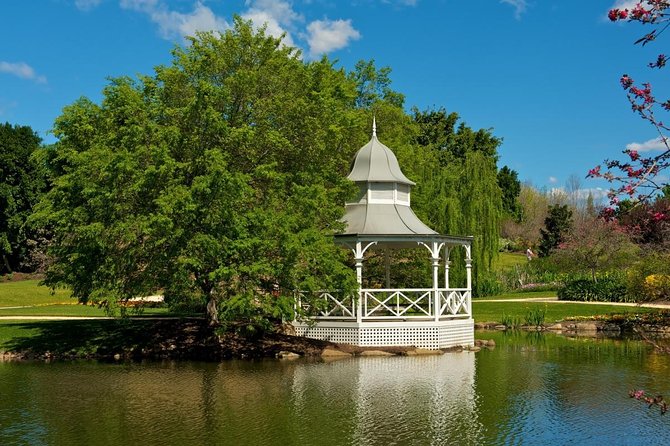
(429, 335)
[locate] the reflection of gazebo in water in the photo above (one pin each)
(381, 218)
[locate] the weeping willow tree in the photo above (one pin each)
(458, 192)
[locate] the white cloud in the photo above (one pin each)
(553, 180)
(22, 70)
(597, 193)
(279, 10)
(173, 23)
(560, 194)
(324, 36)
(278, 17)
(86, 5)
(519, 6)
(647, 146)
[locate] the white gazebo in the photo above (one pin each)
(380, 218)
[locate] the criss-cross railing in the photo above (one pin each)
(389, 304)
(455, 302)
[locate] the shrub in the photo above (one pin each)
(489, 285)
(657, 286)
(606, 289)
(656, 265)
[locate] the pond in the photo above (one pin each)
(531, 389)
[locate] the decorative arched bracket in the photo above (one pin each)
(468, 254)
(359, 250)
(434, 250)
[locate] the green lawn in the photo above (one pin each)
(508, 260)
(38, 300)
(82, 310)
(519, 295)
(493, 311)
(54, 310)
(10, 330)
(29, 292)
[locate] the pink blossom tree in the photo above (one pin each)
(636, 177)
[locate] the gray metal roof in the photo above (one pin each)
(383, 219)
(375, 162)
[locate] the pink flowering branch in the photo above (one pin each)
(636, 175)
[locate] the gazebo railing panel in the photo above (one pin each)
(393, 303)
(328, 305)
(388, 304)
(454, 301)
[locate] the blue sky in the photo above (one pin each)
(543, 74)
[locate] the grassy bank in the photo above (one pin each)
(494, 311)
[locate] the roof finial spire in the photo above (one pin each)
(374, 126)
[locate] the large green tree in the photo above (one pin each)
(21, 183)
(218, 179)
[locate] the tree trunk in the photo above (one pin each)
(212, 312)
(6, 261)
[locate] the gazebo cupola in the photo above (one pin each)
(382, 205)
(380, 218)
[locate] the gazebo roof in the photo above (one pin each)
(375, 162)
(381, 210)
(384, 219)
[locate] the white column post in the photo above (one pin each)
(447, 263)
(435, 253)
(359, 278)
(468, 270)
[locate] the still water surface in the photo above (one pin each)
(530, 390)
